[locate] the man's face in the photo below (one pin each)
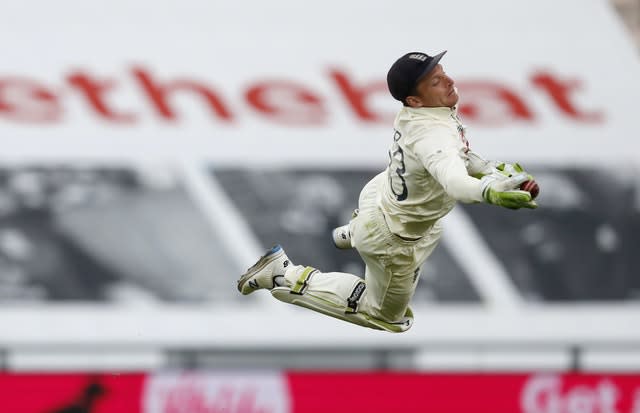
(434, 90)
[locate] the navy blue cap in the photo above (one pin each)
(408, 70)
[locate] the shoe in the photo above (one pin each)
(342, 237)
(262, 274)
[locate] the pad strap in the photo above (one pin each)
(302, 283)
(354, 298)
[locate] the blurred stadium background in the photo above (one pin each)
(152, 151)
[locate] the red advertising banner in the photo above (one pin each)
(465, 393)
(71, 393)
(308, 392)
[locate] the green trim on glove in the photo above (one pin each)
(513, 199)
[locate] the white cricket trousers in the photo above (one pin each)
(392, 263)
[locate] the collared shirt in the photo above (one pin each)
(428, 170)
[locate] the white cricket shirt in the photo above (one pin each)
(428, 170)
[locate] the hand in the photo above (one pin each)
(503, 190)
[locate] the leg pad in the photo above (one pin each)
(308, 300)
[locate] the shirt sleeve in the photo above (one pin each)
(442, 155)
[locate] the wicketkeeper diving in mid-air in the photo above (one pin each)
(397, 224)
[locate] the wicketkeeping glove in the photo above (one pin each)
(503, 190)
(511, 169)
(501, 170)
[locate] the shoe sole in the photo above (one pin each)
(336, 235)
(271, 255)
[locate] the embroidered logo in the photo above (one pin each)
(418, 56)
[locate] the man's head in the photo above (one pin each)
(418, 80)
